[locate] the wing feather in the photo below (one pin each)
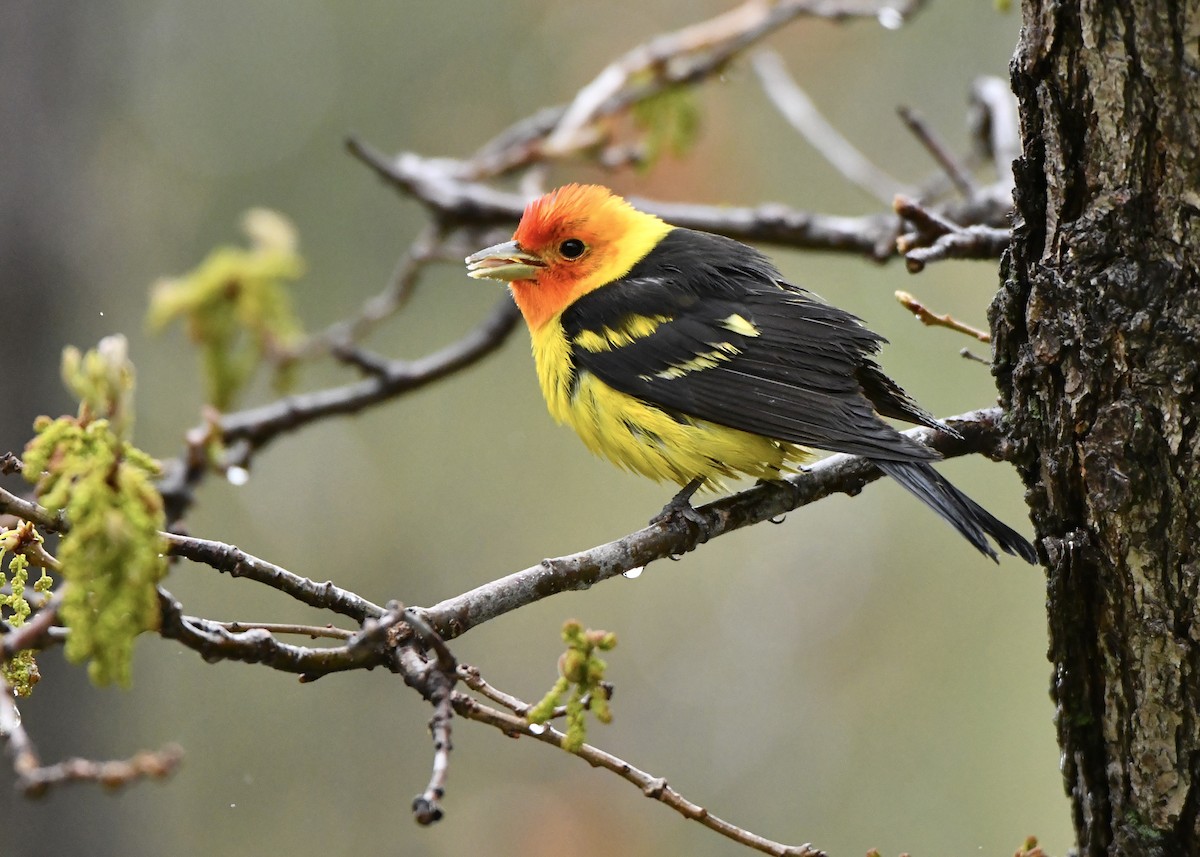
(743, 348)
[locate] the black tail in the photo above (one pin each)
(964, 514)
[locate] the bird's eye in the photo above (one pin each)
(572, 248)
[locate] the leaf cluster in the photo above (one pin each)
(581, 672)
(236, 306)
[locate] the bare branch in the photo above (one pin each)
(931, 319)
(395, 294)
(34, 779)
(435, 680)
(933, 144)
(837, 474)
(652, 787)
(995, 127)
(937, 237)
(800, 112)
(671, 59)
(214, 642)
(257, 427)
(238, 563)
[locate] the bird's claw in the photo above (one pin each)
(680, 508)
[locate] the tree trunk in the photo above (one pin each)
(1097, 352)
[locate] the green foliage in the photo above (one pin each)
(112, 556)
(582, 673)
(669, 121)
(235, 305)
(20, 672)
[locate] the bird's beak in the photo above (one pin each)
(505, 261)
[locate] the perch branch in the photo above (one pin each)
(837, 474)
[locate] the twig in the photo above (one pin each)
(342, 334)
(655, 788)
(257, 427)
(10, 464)
(28, 510)
(800, 112)
(967, 354)
(995, 127)
(937, 237)
(214, 642)
(931, 319)
(313, 631)
(34, 779)
(472, 678)
(37, 628)
(933, 144)
(435, 680)
(671, 59)
(238, 563)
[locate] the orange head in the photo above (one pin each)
(569, 242)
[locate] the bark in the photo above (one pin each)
(1097, 350)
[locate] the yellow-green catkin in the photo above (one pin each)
(581, 673)
(112, 556)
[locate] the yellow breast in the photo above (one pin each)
(643, 438)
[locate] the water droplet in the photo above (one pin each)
(891, 19)
(10, 719)
(634, 573)
(537, 728)
(237, 475)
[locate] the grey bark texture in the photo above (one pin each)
(1098, 362)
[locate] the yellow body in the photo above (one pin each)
(643, 438)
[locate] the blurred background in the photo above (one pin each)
(858, 677)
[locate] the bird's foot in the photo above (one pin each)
(680, 508)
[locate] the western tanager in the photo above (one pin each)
(687, 356)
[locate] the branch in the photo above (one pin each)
(672, 59)
(655, 788)
(238, 563)
(936, 237)
(35, 779)
(800, 112)
(837, 474)
(257, 427)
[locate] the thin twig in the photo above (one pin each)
(996, 128)
(652, 787)
(256, 427)
(35, 631)
(938, 150)
(238, 563)
(214, 642)
(435, 680)
(314, 632)
(391, 299)
(938, 237)
(35, 779)
(800, 112)
(932, 319)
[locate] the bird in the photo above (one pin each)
(686, 356)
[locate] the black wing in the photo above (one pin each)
(724, 338)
